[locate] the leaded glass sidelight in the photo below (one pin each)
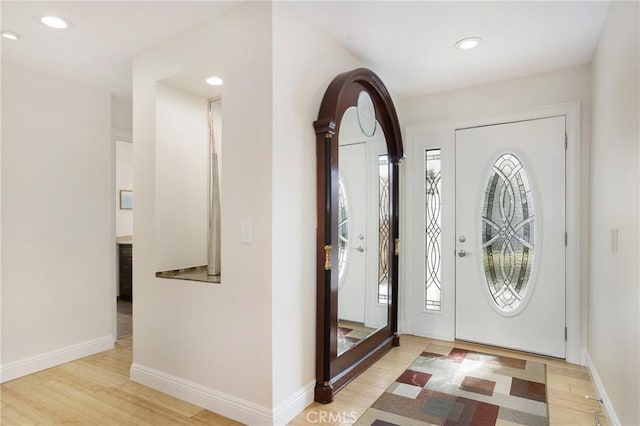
(508, 232)
(383, 229)
(433, 229)
(343, 229)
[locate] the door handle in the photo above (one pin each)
(360, 249)
(463, 253)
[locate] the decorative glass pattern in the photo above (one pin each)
(384, 228)
(433, 229)
(508, 232)
(343, 229)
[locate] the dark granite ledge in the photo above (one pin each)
(196, 273)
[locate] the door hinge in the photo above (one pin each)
(566, 141)
(565, 334)
(566, 238)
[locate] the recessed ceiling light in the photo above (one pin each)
(55, 22)
(214, 81)
(10, 35)
(468, 43)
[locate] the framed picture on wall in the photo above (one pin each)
(126, 199)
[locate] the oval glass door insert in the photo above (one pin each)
(508, 233)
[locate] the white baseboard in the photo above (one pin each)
(437, 336)
(16, 369)
(227, 405)
(602, 393)
(294, 405)
(404, 327)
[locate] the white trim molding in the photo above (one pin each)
(441, 134)
(16, 369)
(419, 321)
(294, 405)
(602, 393)
(227, 405)
(219, 402)
(122, 135)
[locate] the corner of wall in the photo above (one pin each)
(210, 399)
(284, 412)
(610, 412)
(297, 93)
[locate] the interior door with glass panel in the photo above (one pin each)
(510, 235)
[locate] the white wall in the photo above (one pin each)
(216, 113)
(121, 113)
(298, 88)
(182, 179)
(614, 343)
(252, 338)
(57, 221)
(211, 343)
(508, 98)
(124, 181)
(502, 98)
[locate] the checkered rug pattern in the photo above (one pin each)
(345, 341)
(445, 386)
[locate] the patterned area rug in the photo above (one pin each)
(350, 334)
(447, 386)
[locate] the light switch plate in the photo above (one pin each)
(246, 232)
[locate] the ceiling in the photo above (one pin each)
(192, 80)
(409, 44)
(104, 35)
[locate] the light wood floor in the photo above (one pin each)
(97, 391)
(567, 384)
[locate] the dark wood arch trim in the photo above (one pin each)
(343, 93)
(333, 372)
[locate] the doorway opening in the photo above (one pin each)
(124, 235)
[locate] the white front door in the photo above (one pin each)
(510, 235)
(353, 190)
(362, 298)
